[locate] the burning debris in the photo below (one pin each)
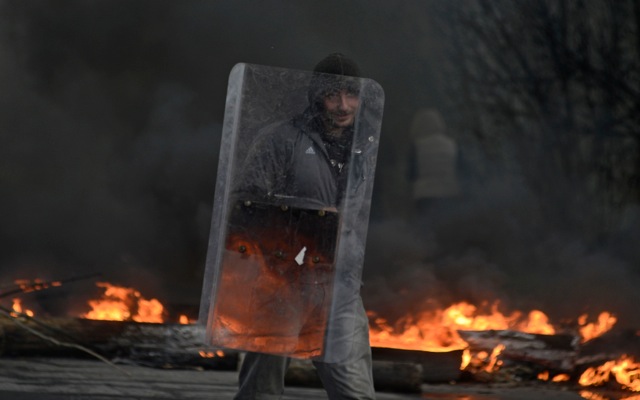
(121, 303)
(17, 309)
(457, 343)
(491, 351)
(625, 371)
(592, 330)
(438, 330)
(499, 347)
(155, 345)
(122, 325)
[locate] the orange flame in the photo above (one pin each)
(17, 309)
(561, 378)
(466, 359)
(149, 311)
(544, 376)
(28, 285)
(124, 304)
(437, 330)
(494, 363)
(211, 354)
(538, 322)
(184, 320)
(592, 330)
(625, 371)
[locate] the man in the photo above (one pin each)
(307, 160)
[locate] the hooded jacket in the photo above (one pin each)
(289, 165)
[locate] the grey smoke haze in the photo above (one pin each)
(110, 121)
(494, 246)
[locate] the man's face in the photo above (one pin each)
(340, 108)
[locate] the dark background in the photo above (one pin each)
(110, 122)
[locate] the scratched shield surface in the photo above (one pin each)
(284, 264)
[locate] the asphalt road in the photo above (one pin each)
(74, 379)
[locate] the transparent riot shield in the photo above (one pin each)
(290, 215)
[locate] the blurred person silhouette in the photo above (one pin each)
(432, 169)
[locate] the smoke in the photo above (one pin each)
(105, 167)
(110, 121)
(493, 245)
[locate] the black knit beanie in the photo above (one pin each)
(337, 64)
(334, 72)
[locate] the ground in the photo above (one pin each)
(78, 379)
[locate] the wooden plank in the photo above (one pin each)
(556, 352)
